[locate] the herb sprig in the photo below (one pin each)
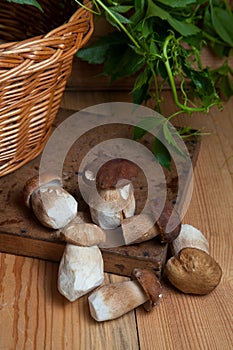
(159, 41)
(163, 39)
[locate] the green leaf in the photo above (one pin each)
(142, 79)
(120, 8)
(145, 125)
(177, 3)
(202, 82)
(138, 15)
(161, 153)
(223, 24)
(169, 136)
(96, 53)
(183, 27)
(226, 86)
(146, 28)
(138, 133)
(222, 77)
(118, 16)
(122, 61)
(139, 5)
(28, 2)
(156, 11)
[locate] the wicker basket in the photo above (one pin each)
(35, 63)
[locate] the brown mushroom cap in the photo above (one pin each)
(116, 173)
(37, 181)
(168, 214)
(193, 271)
(151, 286)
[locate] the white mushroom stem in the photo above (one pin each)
(53, 206)
(80, 271)
(110, 206)
(189, 237)
(114, 300)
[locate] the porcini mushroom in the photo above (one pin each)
(80, 271)
(114, 300)
(115, 197)
(168, 215)
(53, 206)
(192, 269)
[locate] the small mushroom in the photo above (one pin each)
(116, 204)
(114, 300)
(192, 270)
(168, 215)
(139, 228)
(114, 199)
(52, 205)
(80, 271)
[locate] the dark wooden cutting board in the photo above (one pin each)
(22, 234)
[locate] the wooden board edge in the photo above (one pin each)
(53, 251)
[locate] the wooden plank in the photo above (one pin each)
(88, 77)
(21, 233)
(34, 315)
(196, 322)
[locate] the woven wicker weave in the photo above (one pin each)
(33, 73)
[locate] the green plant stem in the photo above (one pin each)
(88, 9)
(118, 23)
(211, 38)
(172, 81)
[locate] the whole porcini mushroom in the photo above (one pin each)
(114, 300)
(80, 271)
(114, 199)
(53, 206)
(192, 270)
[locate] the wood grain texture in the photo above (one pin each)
(34, 316)
(193, 322)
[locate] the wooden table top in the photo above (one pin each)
(33, 315)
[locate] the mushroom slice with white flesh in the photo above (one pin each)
(192, 270)
(53, 206)
(114, 300)
(80, 271)
(139, 228)
(82, 233)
